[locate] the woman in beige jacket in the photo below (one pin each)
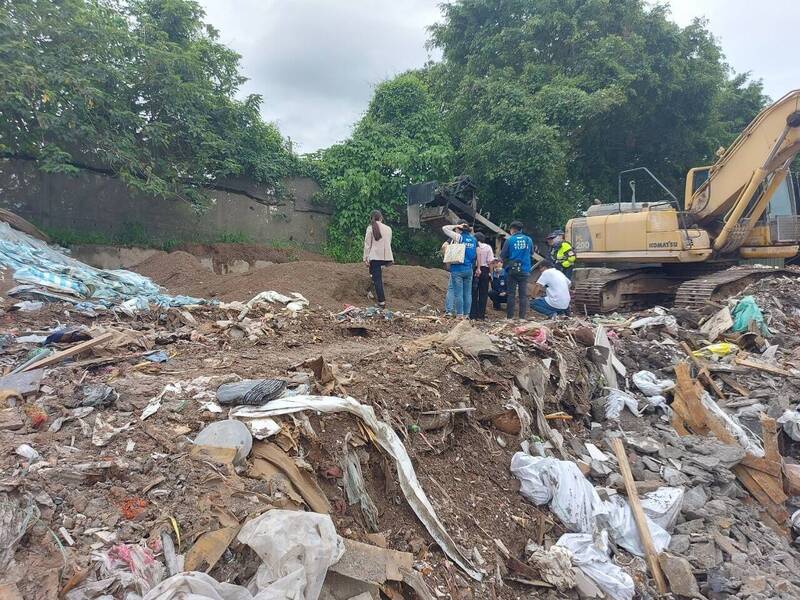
(378, 252)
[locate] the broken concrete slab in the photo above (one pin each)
(679, 573)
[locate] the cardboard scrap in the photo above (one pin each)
(717, 324)
(303, 481)
(208, 549)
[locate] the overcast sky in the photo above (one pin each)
(316, 62)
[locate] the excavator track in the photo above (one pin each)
(690, 288)
(699, 291)
(624, 290)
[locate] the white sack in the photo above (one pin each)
(296, 549)
(592, 556)
(790, 420)
(616, 401)
(559, 482)
(650, 385)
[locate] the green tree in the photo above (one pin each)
(547, 100)
(141, 88)
(400, 140)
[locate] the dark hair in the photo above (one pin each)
(480, 237)
(516, 225)
(374, 218)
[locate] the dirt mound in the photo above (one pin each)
(224, 255)
(175, 270)
(327, 284)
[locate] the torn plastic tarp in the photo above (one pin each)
(747, 312)
(40, 266)
(650, 385)
(296, 548)
(390, 443)
(616, 401)
(576, 503)
(749, 442)
(591, 555)
(790, 421)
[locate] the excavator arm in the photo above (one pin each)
(738, 187)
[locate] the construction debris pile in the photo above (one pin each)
(267, 448)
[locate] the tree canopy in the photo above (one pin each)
(400, 140)
(545, 101)
(141, 88)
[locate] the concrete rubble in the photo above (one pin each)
(124, 477)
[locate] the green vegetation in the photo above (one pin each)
(135, 234)
(400, 140)
(542, 103)
(140, 88)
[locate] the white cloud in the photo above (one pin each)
(316, 62)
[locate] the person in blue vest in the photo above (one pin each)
(461, 273)
(517, 254)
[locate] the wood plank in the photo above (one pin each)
(769, 436)
(756, 463)
(728, 380)
(688, 391)
(702, 371)
(778, 513)
(638, 515)
(72, 351)
(752, 363)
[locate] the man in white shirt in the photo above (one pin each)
(555, 286)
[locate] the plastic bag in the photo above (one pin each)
(667, 321)
(720, 349)
(454, 254)
(650, 385)
(616, 401)
(790, 420)
(193, 585)
(749, 443)
(592, 556)
(296, 549)
(622, 526)
(133, 565)
(561, 484)
(746, 312)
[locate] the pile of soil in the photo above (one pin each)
(327, 284)
(225, 254)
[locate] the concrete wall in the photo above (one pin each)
(94, 202)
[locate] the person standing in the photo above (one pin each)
(562, 255)
(378, 252)
(461, 273)
(449, 300)
(517, 253)
(555, 286)
(483, 276)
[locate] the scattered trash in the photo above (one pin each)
(618, 400)
(719, 349)
(591, 555)
(98, 395)
(250, 392)
(29, 306)
(28, 453)
(650, 385)
(747, 316)
(790, 421)
(717, 324)
(229, 433)
(157, 357)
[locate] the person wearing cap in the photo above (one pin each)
(517, 254)
(554, 286)
(461, 273)
(561, 253)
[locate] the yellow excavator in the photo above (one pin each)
(744, 206)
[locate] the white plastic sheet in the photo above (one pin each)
(592, 556)
(296, 549)
(575, 502)
(748, 442)
(667, 321)
(616, 401)
(790, 421)
(561, 484)
(650, 385)
(391, 444)
(193, 585)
